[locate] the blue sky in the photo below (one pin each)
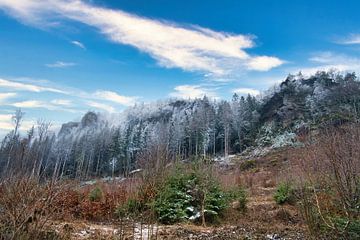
(60, 58)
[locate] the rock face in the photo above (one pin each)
(89, 119)
(66, 128)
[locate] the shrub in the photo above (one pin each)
(133, 205)
(189, 195)
(284, 193)
(26, 207)
(174, 202)
(96, 204)
(96, 194)
(66, 204)
(242, 198)
(215, 202)
(330, 170)
(239, 195)
(309, 210)
(350, 229)
(130, 208)
(248, 164)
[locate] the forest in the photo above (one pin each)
(281, 165)
(102, 145)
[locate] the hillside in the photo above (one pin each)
(106, 145)
(204, 127)
(283, 165)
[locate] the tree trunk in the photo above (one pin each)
(226, 142)
(203, 210)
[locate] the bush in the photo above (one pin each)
(130, 208)
(350, 229)
(242, 198)
(186, 194)
(26, 207)
(239, 195)
(174, 202)
(330, 183)
(102, 203)
(309, 211)
(215, 202)
(89, 203)
(95, 194)
(248, 164)
(284, 193)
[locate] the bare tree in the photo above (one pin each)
(16, 119)
(43, 128)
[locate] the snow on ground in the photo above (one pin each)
(224, 160)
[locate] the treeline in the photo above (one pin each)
(171, 130)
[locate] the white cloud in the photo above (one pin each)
(114, 97)
(30, 104)
(60, 64)
(103, 94)
(326, 61)
(245, 91)
(61, 102)
(54, 105)
(4, 96)
(101, 106)
(79, 44)
(263, 63)
(351, 39)
(19, 86)
(190, 48)
(192, 91)
(7, 125)
(5, 117)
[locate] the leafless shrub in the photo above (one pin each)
(26, 207)
(330, 180)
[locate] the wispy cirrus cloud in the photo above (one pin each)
(80, 95)
(60, 64)
(78, 44)
(190, 48)
(101, 106)
(192, 91)
(61, 102)
(325, 61)
(53, 105)
(30, 104)
(20, 86)
(115, 97)
(4, 96)
(350, 40)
